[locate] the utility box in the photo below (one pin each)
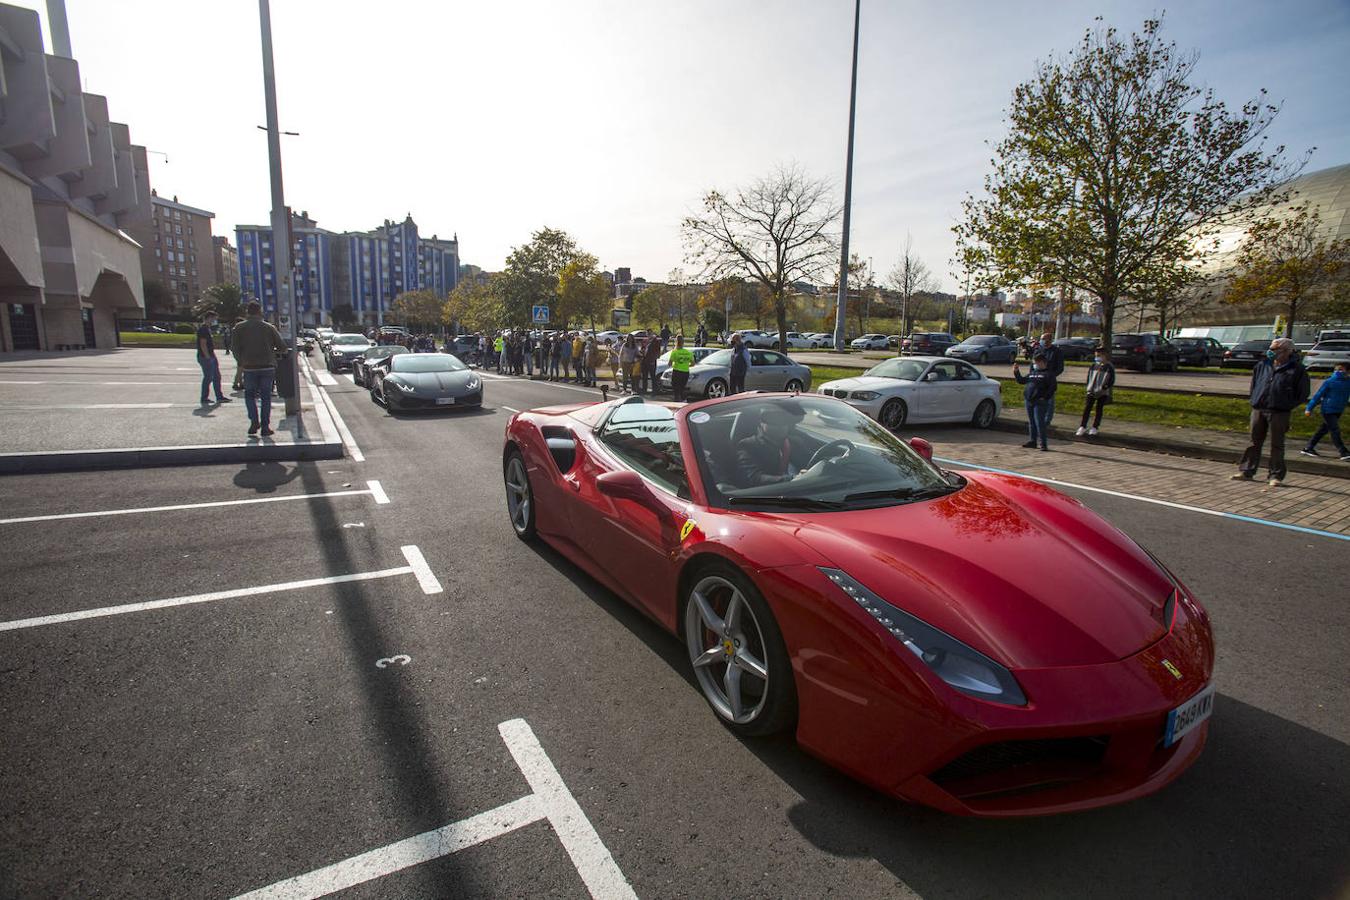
(288, 382)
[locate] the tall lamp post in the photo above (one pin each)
(841, 308)
(281, 217)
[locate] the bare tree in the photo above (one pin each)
(776, 231)
(911, 276)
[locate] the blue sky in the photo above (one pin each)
(609, 118)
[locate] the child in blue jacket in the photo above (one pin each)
(1332, 395)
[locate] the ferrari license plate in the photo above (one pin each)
(1188, 715)
(445, 401)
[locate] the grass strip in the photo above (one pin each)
(155, 339)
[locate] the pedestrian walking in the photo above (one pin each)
(256, 344)
(1039, 393)
(740, 364)
(1279, 383)
(665, 338)
(1101, 377)
(628, 354)
(206, 358)
(701, 336)
(680, 361)
(1332, 396)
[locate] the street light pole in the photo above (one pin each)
(841, 307)
(281, 217)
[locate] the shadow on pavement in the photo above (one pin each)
(265, 477)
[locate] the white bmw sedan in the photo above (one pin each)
(915, 389)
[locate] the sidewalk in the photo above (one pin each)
(1196, 443)
(136, 408)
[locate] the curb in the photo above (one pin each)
(1293, 461)
(149, 457)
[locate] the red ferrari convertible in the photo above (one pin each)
(975, 642)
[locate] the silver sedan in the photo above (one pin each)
(769, 371)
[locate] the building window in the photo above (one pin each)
(189, 229)
(180, 243)
(156, 237)
(177, 229)
(156, 251)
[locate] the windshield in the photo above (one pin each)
(904, 369)
(1126, 340)
(806, 453)
(385, 350)
(350, 339)
(720, 358)
(426, 362)
(977, 341)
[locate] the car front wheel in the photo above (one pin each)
(519, 496)
(984, 414)
(893, 413)
(738, 654)
(793, 387)
(716, 388)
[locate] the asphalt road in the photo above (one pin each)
(212, 748)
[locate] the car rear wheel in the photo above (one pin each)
(793, 387)
(893, 413)
(984, 414)
(716, 388)
(519, 496)
(982, 358)
(1148, 365)
(737, 653)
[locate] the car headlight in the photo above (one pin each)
(864, 395)
(964, 668)
(395, 383)
(472, 384)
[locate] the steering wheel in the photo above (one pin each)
(823, 453)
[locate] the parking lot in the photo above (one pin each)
(304, 678)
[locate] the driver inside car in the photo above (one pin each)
(778, 450)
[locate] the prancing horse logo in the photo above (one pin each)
(1176, 673)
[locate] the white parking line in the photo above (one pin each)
(510, 409)
(418, 563)
(551, 800)
(325, 377)
(375, 491)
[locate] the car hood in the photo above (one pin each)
(1011, 567)
(867, 383)
(435, 382)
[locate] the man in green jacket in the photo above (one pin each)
(256, 344)
(680, 361)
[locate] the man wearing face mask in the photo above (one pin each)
(777, 451)
(1279, 383)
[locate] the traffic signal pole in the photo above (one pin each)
(281, 218)
(841, 309)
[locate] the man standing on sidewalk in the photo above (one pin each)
(256, 344)
(1279, 383)
(1039, 394)
(1332, 396)
(680, 361)
(1054, 359)
(206, 358)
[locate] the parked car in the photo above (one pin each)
(1198, 351)
(1245, 355)
(769, 371)
(608, 337)
(1327, 354)
(796, 340)
(343, 349)
(871, 342)
(423, 381)
(929, 343)
(1144, 352)
(754, 338)
(893, 341)
(913, 389)
(1076, 347)
(822, 339)
(362, 365)
(983, 348)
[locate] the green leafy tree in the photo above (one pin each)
(775, 231)
(1116, 166)
(225, 298)
(582, 292)
(343, 315)
(477, 306)
(1291, 263)
(158, 300)
(417, 309)
(531, 275)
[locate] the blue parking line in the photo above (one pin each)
(1196, 509)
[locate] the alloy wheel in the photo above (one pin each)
(727, 650)
(984, 414)
(519, 497)
(794, 386)
(717, 388)
(893, 414)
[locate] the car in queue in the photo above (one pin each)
(1327, 354)
(343, 349)
(362, 365)
(830, 581)
(769, 370)
(870, 342)
(1144, 352)
(1198, 351)
(425, 381)
(909, 390)
(984, 348)
(1245, 355)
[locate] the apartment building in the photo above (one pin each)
(225, 260)
(177, 250)
(72, 188)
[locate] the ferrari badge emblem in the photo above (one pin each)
(1176, 673)
(686, 528)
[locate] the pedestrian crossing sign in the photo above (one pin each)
(541, 314)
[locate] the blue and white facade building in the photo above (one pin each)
(367, 270)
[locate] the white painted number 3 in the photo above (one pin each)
(402, 659)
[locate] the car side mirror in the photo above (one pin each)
(921, 447)
(623, 485)
(931, 376)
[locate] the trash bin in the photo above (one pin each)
(287, 376)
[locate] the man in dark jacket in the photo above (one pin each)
(651, 354)
(1279, 383)
(1054, 361)
(256, 345)
(1101, 378)
(740, 364)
